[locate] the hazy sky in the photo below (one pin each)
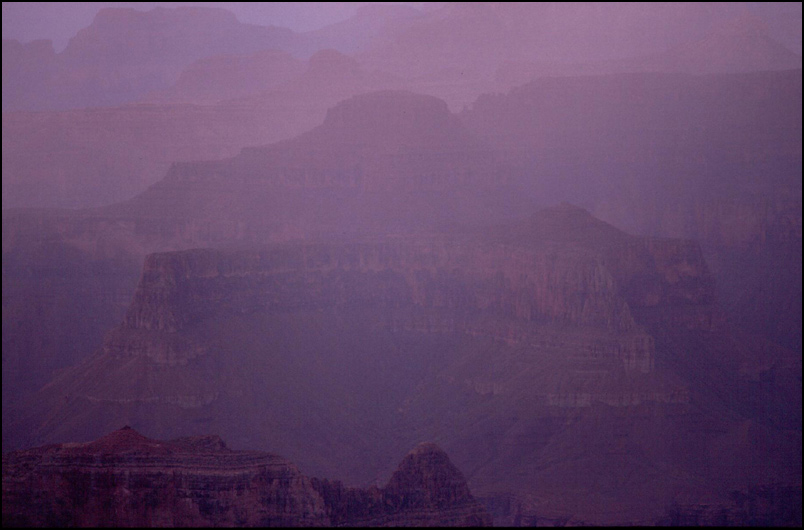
(58, 21)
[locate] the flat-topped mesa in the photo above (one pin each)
(182, 288)
(385, 141)
(393, 119)
(425, 285)
(571, 271)
(127, 479)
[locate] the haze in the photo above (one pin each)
(60, 21)
(402, 264)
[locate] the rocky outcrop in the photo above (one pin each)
(126, 479)
(426, 490)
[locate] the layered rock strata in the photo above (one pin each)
(487, 286)
(126, 479)
(426, 490)
(572, 294)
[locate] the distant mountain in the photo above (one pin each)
(94, 157)
(330, 77)
(742, 44)
(337, 179)
(450, 51)
(392, 120)
(331, 74)
(125, 53)
(461, 50)
(479, 36)
(198, 481)
(392, 145)
(715, 158)
(716, 136)
(27, 69)
(222, 77)
(371, 24)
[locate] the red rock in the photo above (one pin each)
(126, 479)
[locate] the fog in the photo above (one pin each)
(558, 242)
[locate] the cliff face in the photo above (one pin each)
(541, 274)
(178, 289)
(126, 479)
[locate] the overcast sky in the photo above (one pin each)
(58, 21)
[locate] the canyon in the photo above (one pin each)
(451, 313)
(512, 346)
(561, 242)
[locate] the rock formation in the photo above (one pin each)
(426, 490)
(126, 53)
(380, 339)
(741, 44)
(724, 168)
(126, 479)
(94, 157)
(420, 302)
(326, 182)
(85, 158)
